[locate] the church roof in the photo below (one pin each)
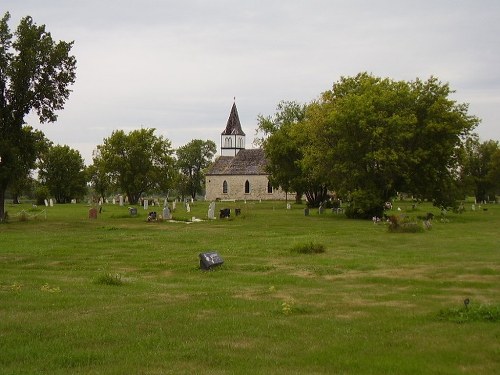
(246, 162)
(233, 126)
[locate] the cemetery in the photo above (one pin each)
(100, 289)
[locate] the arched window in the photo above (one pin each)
(224, 187)
(269, 187)
(228, 142)
(240, 143)
(247, 187)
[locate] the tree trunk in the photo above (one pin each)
(2, 203)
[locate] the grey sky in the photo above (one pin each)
(176, 65)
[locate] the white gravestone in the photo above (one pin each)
(188, 207)
(51, 202)
(121, 200)
(166, 214)
(211, 211)
(146, 203)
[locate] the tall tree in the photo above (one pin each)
(36, 144)
(373, 137)
(138, 162)
(477, 166)
(192, 160)
(35, 75)
(285, 136)
(62, 170)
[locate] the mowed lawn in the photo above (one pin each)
(119, 295)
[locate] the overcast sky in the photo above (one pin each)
(176, 65)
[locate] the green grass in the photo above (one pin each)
(373, 302)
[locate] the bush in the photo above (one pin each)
(309, 248)
(365, 205)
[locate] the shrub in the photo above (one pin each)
(309, 248)
(364, 205)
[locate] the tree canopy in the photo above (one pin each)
(35, 75)
(369, 138)
(192, 159)
(62, 171)
(137, 162)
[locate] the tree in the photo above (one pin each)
(137, 162)
(99, 179)
(36, 144)
(62, 170)
(285, 136)
(373, 137)
(494, 172)
(192, 160)
(35, 73)
(477, 169)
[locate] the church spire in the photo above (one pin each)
(233, 126)
(233, 137)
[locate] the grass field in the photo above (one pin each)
(119, 295)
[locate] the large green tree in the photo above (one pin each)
(284, 138)
(137, 162)
(36, 144)
(192, 160)
(478, 164)
(373, 137)
(35, 73)
(62, 171)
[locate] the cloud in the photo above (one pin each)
(176, 66)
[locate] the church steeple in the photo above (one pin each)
(232, 138)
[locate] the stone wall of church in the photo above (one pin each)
(258, 188)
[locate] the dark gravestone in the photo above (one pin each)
(225, 212)
(237, 211)
(210, 260)
(306, 211)
(133, 211)
(93, 213)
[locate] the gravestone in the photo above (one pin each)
(210, 260)
(211, 211)
(174, 203)
(225, 213)
(51, 202)
(146, 204)
(133, 211)
(121, 200)
(93, 213)
(306, 211)
(165, 202)
(46, 202)
(237, 211)
(188, 207)
(166, 214)
(321, 209)
(288, 206)
(114, 201)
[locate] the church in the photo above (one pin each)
(239, 173)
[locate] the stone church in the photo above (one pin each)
(238, 173)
